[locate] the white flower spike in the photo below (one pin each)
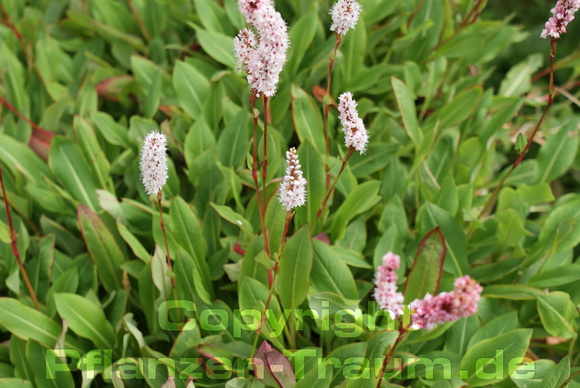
(154, 162)
(345, 14)
(355, 133)
(292, 192)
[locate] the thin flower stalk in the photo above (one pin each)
(154, 167)
(345, 15)
(563, 13)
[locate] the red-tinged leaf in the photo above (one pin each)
(427, 268)
(170, 383)
(273, 368)
(40, 142)
(111, 88)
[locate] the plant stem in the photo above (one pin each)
(389, 356)
(23, 117)
(551, 92)
(256, 183)
(326, 125)
(569, 379)
(162, 223)
(265, 161)
(14, 238)
(323, 206)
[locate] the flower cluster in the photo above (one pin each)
(154, 162)
(386, 293)
(563, 14)
(263, 57)
(355, 133)
(292, 192)
(446, 306)
(345, 14)
(431, 310)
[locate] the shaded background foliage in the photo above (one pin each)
(443, 105)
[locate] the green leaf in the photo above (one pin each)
(136, 246)
(86, 319)
(103, 248)
(562, 224)
(353, 49)
(86, 137)
(186, 228)
(462, 106)
(408, 111)
(491, 360)
(518, 79)
(511, 291)
(313, 169)
(560, 276)
(232, 146)
(558, 374)
(13, 382)
(359, 200)
(214, 17)
(45, 363)
(497, 326)
(557, 155)
(191, 87)
(301, 35)
(427, 268)
(68, 163)
(557, 312)
(431, 216)
(26, 323)
(293, 279)
(18, 157)
(307, 121)
(218, 46)
(330, 273)
(235, 218)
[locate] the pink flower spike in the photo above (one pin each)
(446, 306)
(563, 13)
(386, 294)
(355, 133)
(154, 162)
(292, 191)
(345, 14)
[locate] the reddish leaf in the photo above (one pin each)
(427, 268)
(273, 368)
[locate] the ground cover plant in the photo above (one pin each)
(289, 193)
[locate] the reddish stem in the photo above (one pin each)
(389, 356)
(323, 206)
(14, 238)
(261, 209)
(30, 122)
(551, 92)
(326, 125)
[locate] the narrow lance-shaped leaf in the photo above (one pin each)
(293, 278)
(102, 247)
(427, 268)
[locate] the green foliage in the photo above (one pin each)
(450, 92)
